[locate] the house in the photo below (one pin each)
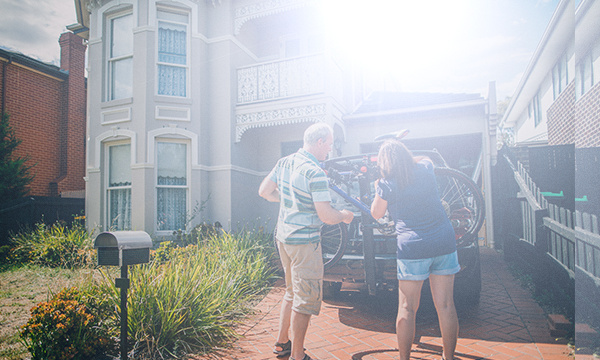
(556, 101)
(555, 116)
(196, 100)
(46, 105)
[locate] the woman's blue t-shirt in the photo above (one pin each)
(422, 226)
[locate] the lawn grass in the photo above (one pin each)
(185, 301)
(21, 288)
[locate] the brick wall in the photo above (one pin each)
(561, 118)
(46, 109)
(33, 102)
(73, 61)
(587, 113)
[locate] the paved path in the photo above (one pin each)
(508, 324)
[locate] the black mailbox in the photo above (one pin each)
(121, 248)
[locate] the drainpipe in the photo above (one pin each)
(4, 66)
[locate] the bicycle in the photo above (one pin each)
(352, 178)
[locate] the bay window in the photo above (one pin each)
(172, 53)
(119, 187)
(172, 186)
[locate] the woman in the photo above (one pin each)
(426, 242)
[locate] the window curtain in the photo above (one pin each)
(172, 42)
(120, 209)
(171, 209)
(171, 193)
(119, 187)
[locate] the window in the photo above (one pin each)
(537, 111)
(172, 186)
(586, 73)
(560, 77)
(119, 187)
(172, 53)
(120, 56)
(296, 45)
(290, 147)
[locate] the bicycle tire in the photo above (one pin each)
(463, 202)
(333, 243)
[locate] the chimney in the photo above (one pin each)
(72, 60)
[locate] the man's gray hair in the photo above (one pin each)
(315, 132)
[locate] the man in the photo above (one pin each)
(301, 187)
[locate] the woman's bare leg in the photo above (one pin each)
(442, 290)
(409, 295)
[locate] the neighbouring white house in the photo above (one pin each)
(556, 101)
(190, 100)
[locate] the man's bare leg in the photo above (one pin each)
(284, 322)
(299, 323)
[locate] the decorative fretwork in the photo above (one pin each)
(281, 79)
(297, 114)
(265, 8)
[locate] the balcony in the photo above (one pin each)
(285, 91)
(283, 79)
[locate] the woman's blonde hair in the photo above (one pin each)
(396, 162)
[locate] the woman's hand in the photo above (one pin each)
(378, 207)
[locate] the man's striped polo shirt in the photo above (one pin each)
(301, 182)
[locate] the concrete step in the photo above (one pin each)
(586, 336)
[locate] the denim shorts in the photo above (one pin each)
(420, 269)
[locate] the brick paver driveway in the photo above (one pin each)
(508, 324)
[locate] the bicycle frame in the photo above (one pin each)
(362, 169)
(367, 222)
(462, 201)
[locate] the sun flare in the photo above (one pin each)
(395, 37)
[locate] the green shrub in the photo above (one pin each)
(192, 302)
(70, 326)
(54, 246)
(163, 253)
(198, 233)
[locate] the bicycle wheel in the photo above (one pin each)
(333, 243)
(463, 202)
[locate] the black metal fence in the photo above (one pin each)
(547, 220)
(28, 211)
(536, 234)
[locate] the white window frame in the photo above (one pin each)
(108, 222)
(308, 44)
(176, 11)
(560, 76)
(186, 186)
(537, 110)
(586, 66)
(110, 61)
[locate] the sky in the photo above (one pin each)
(455, 46)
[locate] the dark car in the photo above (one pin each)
(362, 255)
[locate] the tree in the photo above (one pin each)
(506, 136)
(14, 173)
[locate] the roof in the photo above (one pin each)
(81, 27)
(389, 102)
(555, 40)
(29, 62)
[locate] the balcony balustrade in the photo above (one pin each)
(276, 80)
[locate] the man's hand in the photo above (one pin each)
(348, 216)
(268, 190)
(331, 216)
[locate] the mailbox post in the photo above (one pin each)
(123, 248)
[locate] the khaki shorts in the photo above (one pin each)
(303, 266)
